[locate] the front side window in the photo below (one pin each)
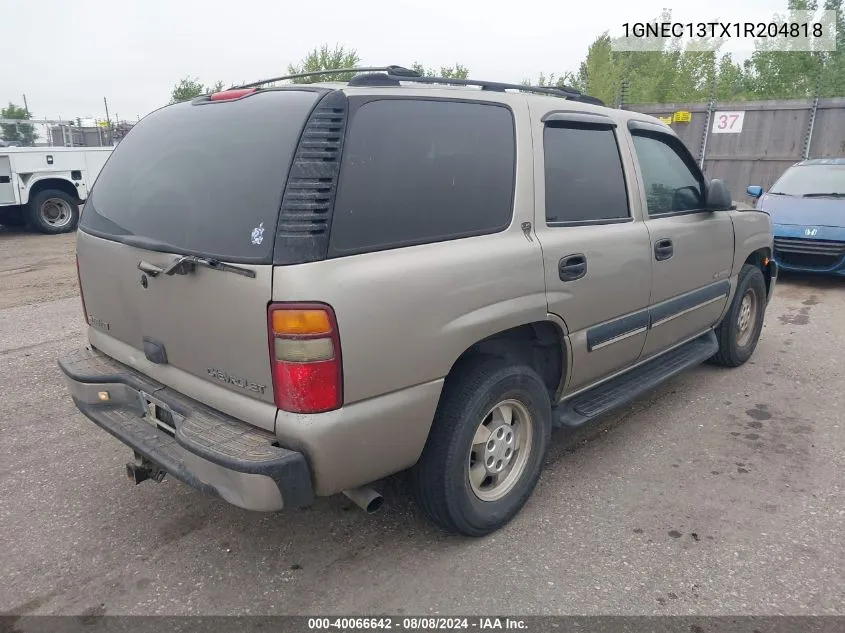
(584, 178)
(416, 171)
(672, 185)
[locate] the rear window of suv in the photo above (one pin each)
(202, 179)
(416, 171)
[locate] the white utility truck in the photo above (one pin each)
(44, 186)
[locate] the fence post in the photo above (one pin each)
(808, 137)
(711, 106)
(623, 97)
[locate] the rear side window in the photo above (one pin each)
(202, 179)
(584, 178)
(672, 184)
(418, 171)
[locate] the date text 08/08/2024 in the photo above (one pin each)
(415, 624)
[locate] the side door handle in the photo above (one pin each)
(572, 267)
(663, 249)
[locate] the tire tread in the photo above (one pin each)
(726, 356)
(468, 384)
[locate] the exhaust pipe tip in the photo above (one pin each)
(365, 498)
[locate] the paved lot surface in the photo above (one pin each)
(721, 493)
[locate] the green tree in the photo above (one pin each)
(832, 79)
(21, 132)
(567, 80)
(676, 72)
(599, 72)
(447, 72)
(190, 88)
(784, 74)
(324, 58)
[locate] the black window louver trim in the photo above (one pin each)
(302, 232)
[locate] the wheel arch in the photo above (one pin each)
(51, 182)
(542, 345)
(761, 258)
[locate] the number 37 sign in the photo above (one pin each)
(728, 122)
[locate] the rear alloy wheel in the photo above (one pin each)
(53, 211)
(740, 329)
(486, 446)
(500, 449)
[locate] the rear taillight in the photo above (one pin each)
(81, 296)
(305, 354)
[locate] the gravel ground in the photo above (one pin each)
(719, 493)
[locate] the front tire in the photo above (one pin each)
(53, 211)
(740, 329)
(486, 446)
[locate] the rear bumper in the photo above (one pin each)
(209, 451)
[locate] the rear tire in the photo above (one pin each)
(740, 329)
(486, 446)
(53, 211)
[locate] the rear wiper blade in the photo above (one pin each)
(835, 194)
(147, 243)
(188, 264)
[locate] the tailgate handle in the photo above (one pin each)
(151, 269)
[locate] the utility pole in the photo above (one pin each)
(711, 107)
(25, 106)
(108, 121)
(623, 95)
(814, 108)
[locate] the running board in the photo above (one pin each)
(632, 384)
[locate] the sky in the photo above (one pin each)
(66, 55)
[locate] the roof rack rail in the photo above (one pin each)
(400, 73)
(498, 86)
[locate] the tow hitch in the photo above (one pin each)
(142, 469)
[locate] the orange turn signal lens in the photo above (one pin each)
(298, 322)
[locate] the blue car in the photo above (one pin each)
(807, 207)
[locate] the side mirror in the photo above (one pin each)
(755, 191)
(718, 196)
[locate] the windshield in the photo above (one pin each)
(803, 180)
(202, 179)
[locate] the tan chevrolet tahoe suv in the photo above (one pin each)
(299, 289)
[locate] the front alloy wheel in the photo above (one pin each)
(741, 326)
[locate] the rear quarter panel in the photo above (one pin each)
(405, 316)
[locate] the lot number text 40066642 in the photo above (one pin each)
(416, 624)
